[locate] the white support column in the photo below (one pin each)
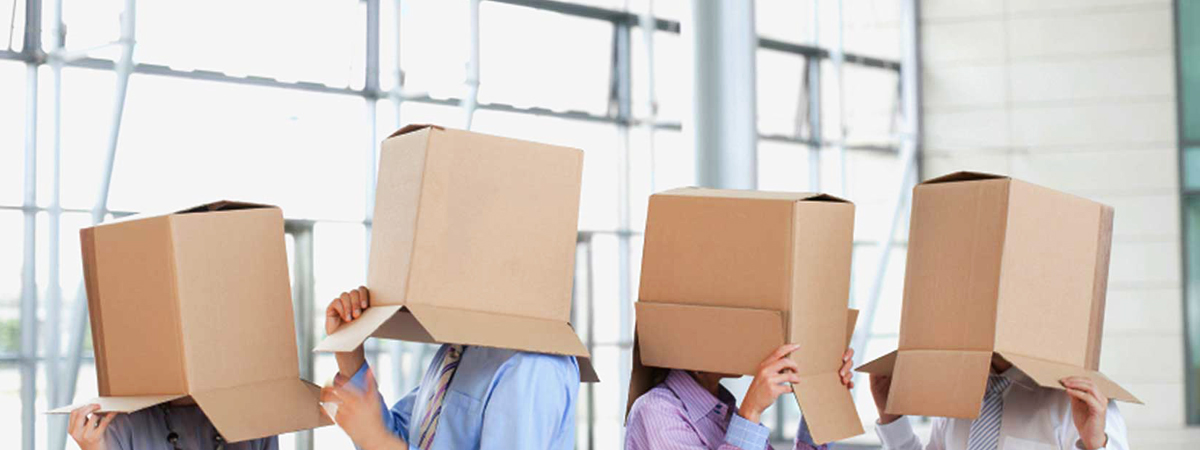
(471, 100)
(724, 124)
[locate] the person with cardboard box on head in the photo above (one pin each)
(193, 332)
(690, 410)
(1003, 314)
(729, 277)
(472, 247)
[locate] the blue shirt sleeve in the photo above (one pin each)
(804, 438)
(532, 404)
(397, 418)
(745, 434)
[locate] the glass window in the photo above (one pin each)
(781, 93)
(301, 151)
(435, 47)
(783, 166)
(1191, 168)
(524, 62)
(672, 78)
(310, 40)
(1191, 216)
(1189, 68)
(12, 132)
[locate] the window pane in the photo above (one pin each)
(1189, 68)
(187, 142)
(782, 166)
(434, 46)
(12, 132)
(1191, 168)
(87, 111)
(311, 40)
(539, 58)
(781, 92)
(1191, 212)
(672, 77)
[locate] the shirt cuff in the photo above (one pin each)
(359, 380)
(1079, 444)
(896, 434)
(745, 434)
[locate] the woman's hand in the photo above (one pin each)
(343, 310)
(774, 377)
(87, 428)
(847, 369)
(880, 386)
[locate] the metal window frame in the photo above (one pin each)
(621, 115)
(1190, 352)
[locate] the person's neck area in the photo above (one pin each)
(999, 366)
(711, 382)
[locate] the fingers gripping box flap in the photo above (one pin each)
(433, 324)
(1047, 374)
(126, 404)
(263, 409)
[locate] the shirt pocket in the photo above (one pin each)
(460, 423)
(1015, 443)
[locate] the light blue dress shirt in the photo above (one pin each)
(498, 399)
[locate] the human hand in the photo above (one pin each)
(774, 377)
(1089, 408)
(880, 386)
(359, 414)
(846, 371)
(87, 428)
(343, 310)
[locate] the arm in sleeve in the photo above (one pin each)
(397, 418)
(804, 439)
(531, 404)
(118, 436)
(269, 443)
(655, 424)
(899, 435)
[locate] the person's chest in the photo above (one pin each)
(460, 421)
(1032, 419)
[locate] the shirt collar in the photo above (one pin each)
(697, 401)
(1019, 378)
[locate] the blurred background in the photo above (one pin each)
(115, 107)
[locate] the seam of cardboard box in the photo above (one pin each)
(87, 238)
(177, 308)
(408, 285)
(791, 275)
(1000, 273)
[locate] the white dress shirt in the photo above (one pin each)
(1034, 418)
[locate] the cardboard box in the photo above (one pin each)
(997, 268)
(729, 276)
(473, 242)
(198, 303)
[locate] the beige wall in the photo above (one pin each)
(1078, 95)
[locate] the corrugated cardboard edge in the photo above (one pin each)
(415, 127)
(263, 409)
(1048, 373)
(124, 404)
(1100, 287)
(87, 244)
(965, 175)
(438, 325)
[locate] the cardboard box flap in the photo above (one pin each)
(351, 335)
(263, 409)
(751, 194)
(706, 338)
(830, 409)
(126, 404)
(222, 205)
(964, 176)
(460, 326)
(882, 365)
(414, 127)
(939, 383)
(1047, 373)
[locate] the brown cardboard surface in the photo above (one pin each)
(688, 337)
(198, 303)
(473, 242)
(119, 404)
(716, 263)
(1048, 373)
(262, 409)
(939, 383)
(998, 266)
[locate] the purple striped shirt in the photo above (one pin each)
(679, 414)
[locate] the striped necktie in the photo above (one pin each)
(985, 430)
(433, 409)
